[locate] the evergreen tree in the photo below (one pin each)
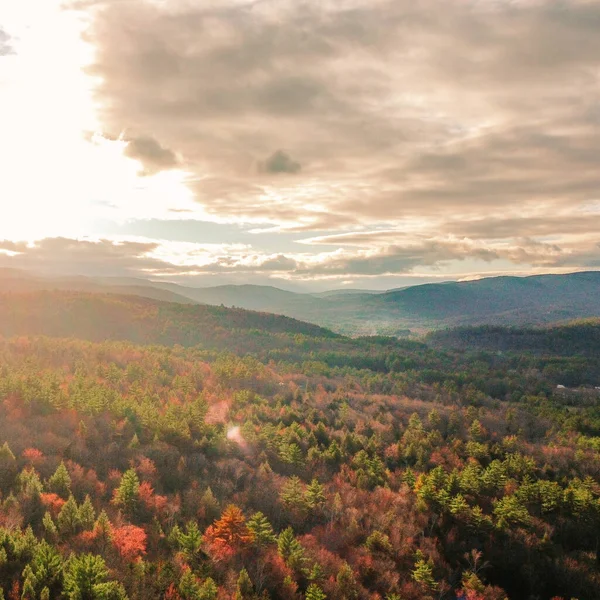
(262, 530)
(292, 494)
(291, 550)
(127, 494)
(87, 514)
(190, 542)
(69, 522)
(315, 495)
(8, 467)
(314, 592)
(244, 589)
(60, 482)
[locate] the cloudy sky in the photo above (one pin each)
(302, 143)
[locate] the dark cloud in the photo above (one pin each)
(280, 162)
(151, 154)
(6, 47)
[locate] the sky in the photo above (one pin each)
(307, 144)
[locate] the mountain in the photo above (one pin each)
(535, 300)
(531, 300)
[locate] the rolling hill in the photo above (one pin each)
(523, 301)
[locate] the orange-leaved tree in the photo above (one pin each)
(228, 535)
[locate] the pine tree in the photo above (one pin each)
(244, 589)
(423, 573)
(50, 527)
(29, 583)
(314, 592)
(68, 518)
(210, 505)
(190, 542)
(126, 495)
(87, 514)
(82, 575)
(103, 531)
(262, 530)
(291, 550)
(292, 494)
(8, 467)
(315, 495)
(60, 482)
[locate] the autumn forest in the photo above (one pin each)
(152, 450)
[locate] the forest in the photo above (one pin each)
(155, 450)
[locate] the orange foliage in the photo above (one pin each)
(229, 534)
(153, 502)
(33, 455)
(53, 502)
(130, 541)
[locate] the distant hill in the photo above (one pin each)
(531, 300)
(522, 301)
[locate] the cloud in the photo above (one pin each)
(151, 154)
(148, 258)
(280, 162)
(397, 110)
(6, 47)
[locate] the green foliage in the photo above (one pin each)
(69, 520)
(60, 482)
(85, 579)
(423, 574)
(126, 495)
(190, 541)
(291, 550)
(262, 530)
(314, 592)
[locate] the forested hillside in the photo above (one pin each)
(292, 464)
(519, 301)
(570, 339)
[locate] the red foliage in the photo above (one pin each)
(146, 468)
(15, 592)
(153, 502)
(33, 456)
(172, 593)
(130, 542)
(53, 502)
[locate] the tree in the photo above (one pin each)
(314, 592)
(126, 495)
(291, 550)
(346, 583)
(190, 542)
(244, 589)
(423, 572)
(87, 514)
(130, 542)
(85, 579)
(229, 534)
(292, 494)
(69, 522)
(261, 529)
(60, 482)
(510, 512)
(315, 495)
(8, 467)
